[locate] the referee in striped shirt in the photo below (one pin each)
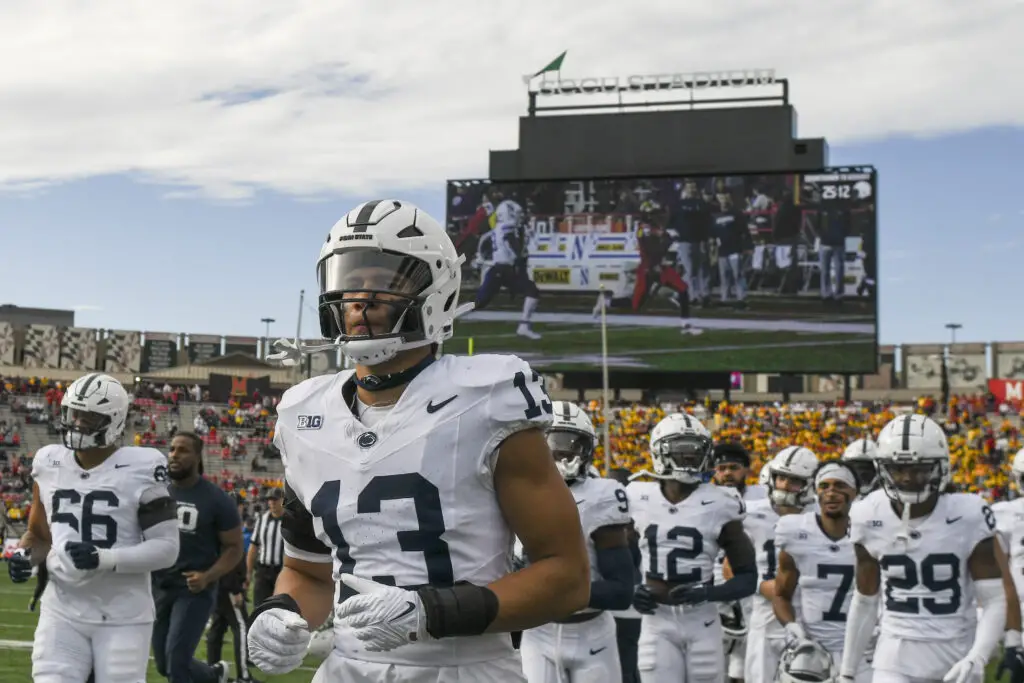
(266, 549)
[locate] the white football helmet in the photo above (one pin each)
(571, 438)
(765, 475)
(322, 641)
(93, 412)
(860, 456)
(734, 625)
(806, 662)
(386, 253)
(681, 448)
(796, 463)
(1017, 471)
(913, 459)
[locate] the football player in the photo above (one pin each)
(815, 554)
(684, 523)
(860, 456)
(506, 246)
(732, 469)
(412, 473)
(582, 648)
(790, 481)
(102, 520)
(934, 551)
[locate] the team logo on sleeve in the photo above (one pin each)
(160, 473)
(310, 422)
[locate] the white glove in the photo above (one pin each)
(382, 617)
(961, 671)
(278, 640)
(795, 634)
(288, 353)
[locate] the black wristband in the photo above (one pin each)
(462, 610)
(279, 601)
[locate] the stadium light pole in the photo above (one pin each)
(607, 432)
(268, 322)
(953, 327)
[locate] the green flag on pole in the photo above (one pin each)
(555, 65)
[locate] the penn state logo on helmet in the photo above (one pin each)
(389, 280)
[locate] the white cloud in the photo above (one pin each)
(312, 96)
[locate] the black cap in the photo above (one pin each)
(730, 451)
(274, 494)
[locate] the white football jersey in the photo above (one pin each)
(509, 214)
(826, 568)
(928, 593)
(759, 524)
(1010, 525)
(411, 501)
(679, 542)
(98, 506)
(750, 494)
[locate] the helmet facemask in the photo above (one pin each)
(371, 302)
(867, 474)
(683, 457)
(786, 498)
(83, 430)
(573, 452)
(911, 481)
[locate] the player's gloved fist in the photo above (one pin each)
(694, 594)
(643, 600)
(19, 566)
(382, 617)
(962, 671)
(795, 634)
(84, 556)
(1013, 658)
(278, 637)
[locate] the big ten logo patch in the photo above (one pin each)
(188, 517)
(310, 421)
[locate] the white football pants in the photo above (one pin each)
(65, 651)
(681, 644)
(763, 656)
(586, 652)
(337, 668)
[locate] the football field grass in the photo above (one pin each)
(17, 625)
(576, 345)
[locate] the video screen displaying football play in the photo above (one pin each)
(738, 273)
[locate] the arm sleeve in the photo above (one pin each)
(300, 541)
(156, 506)
(158, 550)
(614, 590)
(740, 553)
(991, 597)
(860, 626)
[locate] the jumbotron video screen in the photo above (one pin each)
(738, 273)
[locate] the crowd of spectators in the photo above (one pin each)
(983, 436)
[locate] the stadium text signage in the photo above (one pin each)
(685, 81)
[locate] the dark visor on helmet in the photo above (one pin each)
(568, 445)
(365, 278)
(684, 451)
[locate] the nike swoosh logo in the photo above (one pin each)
(708, 623)
(600, 649)
(954, 519)
(117, 467)
(409, 607)
(434, 407)
(706, 502)
(580, 502)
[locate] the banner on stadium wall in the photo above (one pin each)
(42, 347)
(6, 344)
(78, 348)
(966, 371)
(1008, 359)
(244, 345)
(1007, 390)
(223, 388)
(203, 348)
(123, 351)
(160, 351)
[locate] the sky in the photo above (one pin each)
(174, 167)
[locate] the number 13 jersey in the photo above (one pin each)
(927, 591)
(410, 501)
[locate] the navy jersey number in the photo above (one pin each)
(91, 520)
(620, 495)
(769, 552)
(426, 539)
(925, 576)
(845, 573)
(532, 411)
(676, 554)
